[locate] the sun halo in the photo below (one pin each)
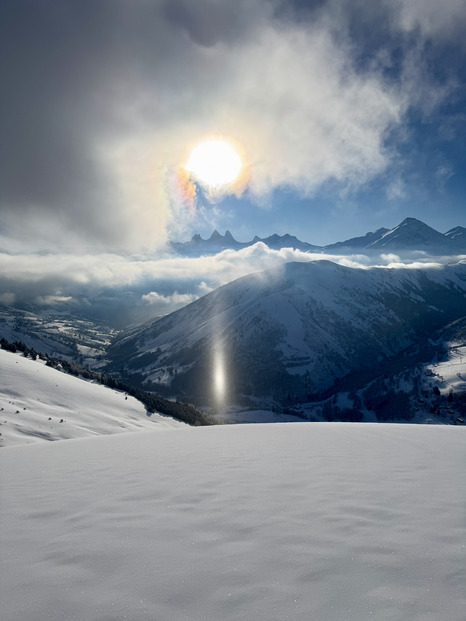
(214, 163)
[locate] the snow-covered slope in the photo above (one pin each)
(290, 333)
(327, 522)
(448, 372)
(356, 243)
(39, 403)
(60, 335)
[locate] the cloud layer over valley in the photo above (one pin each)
(136, 288)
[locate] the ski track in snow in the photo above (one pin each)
(323, 521)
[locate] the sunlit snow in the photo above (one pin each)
(321, 521)
(39, 403)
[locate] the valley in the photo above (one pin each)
(316, 339)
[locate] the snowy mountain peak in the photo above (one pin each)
(413, 222)
(413, 226)
(411, 234)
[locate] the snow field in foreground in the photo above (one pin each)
(322, 521)
(34, 399)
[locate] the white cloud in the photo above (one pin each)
(288, 90)
(204, 288)
(53, 300)
(396, 189)
(433, 18)
(175, 299)
(390, 258)
(311, 117)
(412, 265)
(7, 298)
(166, 281)
(442, 175)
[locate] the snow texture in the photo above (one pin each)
(451, 372)
(40, 403)
(322, 521)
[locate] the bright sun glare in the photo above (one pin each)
(214, 163)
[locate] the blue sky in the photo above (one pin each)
(424, 175)
(349, 115)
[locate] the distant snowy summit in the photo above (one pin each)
(409, 235)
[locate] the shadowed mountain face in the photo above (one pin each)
(458, 235)
(287, 335)
(358, 242)
(412, 233)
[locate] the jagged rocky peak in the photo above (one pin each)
(218, 237)
(215, 236)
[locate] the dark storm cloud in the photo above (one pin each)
(72, 71)
(209, 22)
(53, 59)
(63, 64)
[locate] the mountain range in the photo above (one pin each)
(409, 235)
(299, 333)
(198, 246)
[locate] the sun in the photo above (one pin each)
(214, 163)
